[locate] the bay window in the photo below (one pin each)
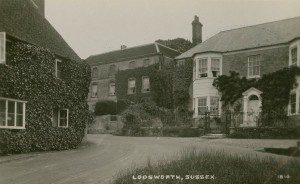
(254, 66)
(203, 67)
(215, 66)
(202, 105)
(12, 113)
(2, 48)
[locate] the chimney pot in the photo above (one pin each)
(197, 30)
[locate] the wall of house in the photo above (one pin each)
(273, 59)
(103, 79)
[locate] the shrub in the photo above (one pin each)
(265, 133)
(226, 168)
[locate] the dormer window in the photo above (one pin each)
(2, 48)
(202, 67)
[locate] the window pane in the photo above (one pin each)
(63, 122)
(201, 101)
(19, 120)
(2, 106)
(11, 119)
(2, 118)
(19, 108)
(63, 113)
(11, 107)
(146, 84)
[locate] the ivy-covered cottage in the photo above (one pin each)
(134, 81)
(261, 54)
(43, 82)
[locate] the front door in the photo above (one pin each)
(253, 110)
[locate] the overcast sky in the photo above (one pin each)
(96, 26)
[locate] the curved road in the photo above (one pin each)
(106, 155)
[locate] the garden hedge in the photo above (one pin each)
(28, 76)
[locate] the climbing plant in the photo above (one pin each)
(276, 88)
(29, 76)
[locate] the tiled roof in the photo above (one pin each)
(133, 52)
(267, 34)
(20, 19)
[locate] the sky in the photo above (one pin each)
(93, 27)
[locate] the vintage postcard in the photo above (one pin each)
(149, 91)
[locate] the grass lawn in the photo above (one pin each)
(216, 167)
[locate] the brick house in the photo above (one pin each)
(105, 66)
(251, 51)
(39, 62)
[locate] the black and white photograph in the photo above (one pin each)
(149, 91)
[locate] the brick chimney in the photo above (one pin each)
(40, 5)
(197, 30)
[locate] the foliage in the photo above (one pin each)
(110, 107)
(276, 88)
(122, 83)
(266, 133)
(29, 76)
(161, 82)
(183, 76)
(226, 168)
(179, 44)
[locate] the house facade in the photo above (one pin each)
(105, 67)
(43, 82)
(252, 52)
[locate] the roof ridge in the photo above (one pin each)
(260, 24)
(121, 49)
(167, 47)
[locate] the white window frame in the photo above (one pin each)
(143, 85)
(291, 60)
(3, 55)
(94, 95)
(253, 66)
(201, 74)
(58, 119)
(109, 89)
(213, 69)
(95, 74)
(15, 113)
(198, 105)
(128, 88)
(56, 67)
